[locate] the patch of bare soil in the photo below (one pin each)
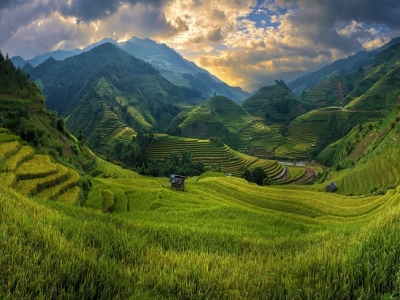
(307, 177)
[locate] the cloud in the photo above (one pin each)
(87, 10)
(244, 42)
(214, 35)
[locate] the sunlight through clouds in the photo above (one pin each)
(243, 42)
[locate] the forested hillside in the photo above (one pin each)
(112, 87)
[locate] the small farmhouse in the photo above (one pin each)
(177, 182)
(332, 187)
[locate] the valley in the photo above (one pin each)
(86, 213)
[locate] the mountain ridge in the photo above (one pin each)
(141, 48)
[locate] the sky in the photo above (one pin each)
(246, 43)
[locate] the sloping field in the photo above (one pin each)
(35, 175)
(108, 170)
(273, 242)
(327, 124)
(111, 127)
(259, 139)
(377, 174)
(230, 161)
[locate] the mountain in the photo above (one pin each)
(224, 120)
(179, 70)
(338, 67)
(18, 61)
(217, 117)
(167, 61)
(114, 89)
(275, 103)
(23, 113)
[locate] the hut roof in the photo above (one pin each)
(332, 187)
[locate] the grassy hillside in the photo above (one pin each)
(366, 160)
(332, 91)
(370, 88)
(134, 237)
(141, 97)
(223, 118)
(217, 117)
(161, 243)
(31, 174)
(275, 103)
(308, 134)
(212, 153)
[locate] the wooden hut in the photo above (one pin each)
(332, 187)
(177, 182)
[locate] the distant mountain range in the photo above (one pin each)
(167, 61)
(338, 67)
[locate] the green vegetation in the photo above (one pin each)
(275, 103)
(113, 94)
(115, 234)
(160, 243)
(366, 160)
(30, 174)
(213, 154)
(222, 118)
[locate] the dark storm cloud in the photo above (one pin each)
(15, 15)
(328, 12)
(11, 3)
(319, 20)
(88, 10)
(18, 14)
(85, 10)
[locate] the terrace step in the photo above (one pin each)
(31, 187)
(62, 187)
(71, 196)
(39, 166)
(23, 154)
(7, 179)
(8, 149)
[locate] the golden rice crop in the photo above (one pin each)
(39, 166)
(7, 179)
(15, 160)
(71, 196)
(30, 187)
(6, 149)
(53, 191)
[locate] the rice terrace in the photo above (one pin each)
(142, 176)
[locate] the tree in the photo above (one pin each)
(258, 175)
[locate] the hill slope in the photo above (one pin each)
(167, 61)
(130, 91)
(337, 68)
(138, 238)
(222, 118)
(366, 160)
(275, 103)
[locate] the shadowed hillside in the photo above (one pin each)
(113, 89)
(275, 103)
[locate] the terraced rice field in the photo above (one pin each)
(230, 161)
(376, 174)
(36, 175)
(111, 128)
(110, 170)
(259, 139)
